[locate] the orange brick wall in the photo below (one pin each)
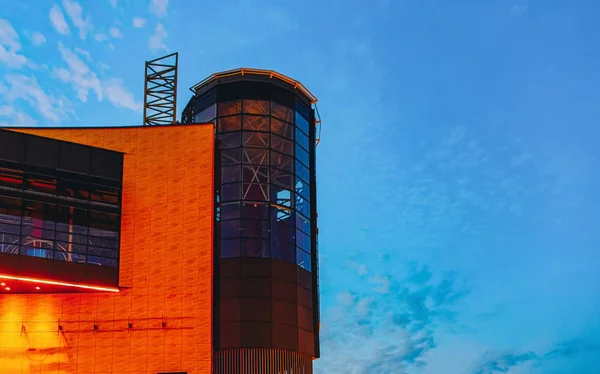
(165, 269)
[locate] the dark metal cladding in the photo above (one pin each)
(266, 282)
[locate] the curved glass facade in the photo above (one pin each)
(263, 201)
(265, 290)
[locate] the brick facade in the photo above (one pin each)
(165, 269)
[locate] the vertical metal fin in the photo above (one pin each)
(160, 91)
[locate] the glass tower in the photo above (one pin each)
(266, 284)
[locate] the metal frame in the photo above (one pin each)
(160, 91)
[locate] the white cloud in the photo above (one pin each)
(156, 41)
(78, 74)
(15, 117)
(119, 96)
(58, 20)
(84, 53)
(27, 89)
(139, 22)
(37, 38)
(113, 3)
(10, 46)
(159, 7)
(110, 46)
(75, 12)
(99, 37)
(115, 32)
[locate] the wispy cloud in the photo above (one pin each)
(115, 32)
(139, 22)
(159, 7)
(9, 116)
(57, 18)
(78, 74)
(394, 326)
(113, 3)
(520, 8)
(119, 96)
(84, 53)
(37, 38)
(504, 362)
(26, 88)
(75, 12)
(100, 37)
(10, 47)
(156, 41)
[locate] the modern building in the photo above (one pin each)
(189, 248)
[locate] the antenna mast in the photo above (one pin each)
(160, 91)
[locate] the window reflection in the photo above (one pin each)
(303, 260)
(228, 108)
(256, 106)
(206, 115)
(301, 123)
(301, 139)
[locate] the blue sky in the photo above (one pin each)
(457, 188)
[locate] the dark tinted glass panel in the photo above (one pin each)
(231, 140)
(255, 247)
(74, 220)
(231, 310)
(69, 247)
(285, 337)
(303, 260)
(233, 123)
(282, 128)
(75, 157)
(13, 146)
(282, 145)
(256, 288)
(230, 229)
(256, 334)
(301, 123)
(252, 228)
(302, 223)
(303, 109)
(303, 241)
(255, 191)
(302, 172)
(70, 257)
(256, 174)
(107, 164)
(230, 210)
(281, 161)
(302, 155)
(230, 174)
(283, 251)
(283, 231)
(72, 189)
(10, 206)
(104, 223)
(231, 248)
(6, 238)
(282, 112)
(230, 334)
(301, 139)
(101, 261)
(231, 156)
(302, 206)
(105, 195)
(230, 192)
(256, 139)
(282, 178)
(11, 178)
(255, 210)
(256, 106)
(256, 156)
(206, 115)
(42, 152)
(230, 107)
(256, 123)
(302, 188)
(40, 183)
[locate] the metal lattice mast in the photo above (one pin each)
(160, 91)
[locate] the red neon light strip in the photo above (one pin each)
(44, 281)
